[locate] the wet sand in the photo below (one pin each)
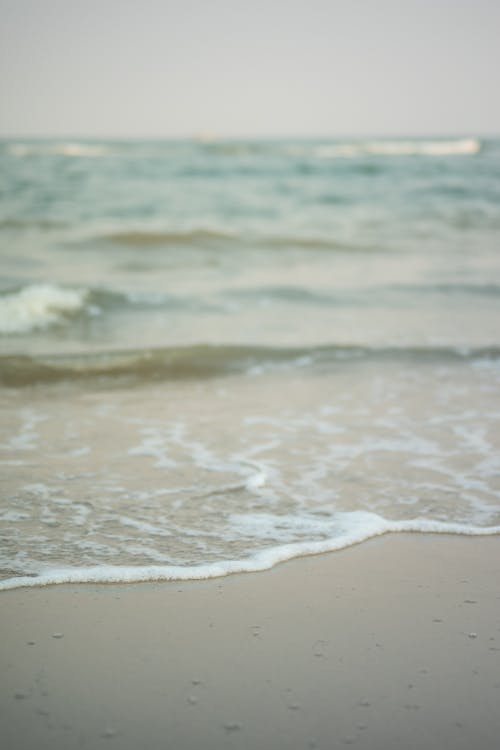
(391, 644)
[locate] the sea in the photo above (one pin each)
(220, 354)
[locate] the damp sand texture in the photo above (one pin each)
(393, 643)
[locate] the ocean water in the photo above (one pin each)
(217, 355)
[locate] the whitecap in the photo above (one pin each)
(38, 306)
(80, 149)
(73, 149)
(455, 147)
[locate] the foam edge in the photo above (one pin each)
(262, 560)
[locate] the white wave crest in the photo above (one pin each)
(459, 147)
(38, 306)
(64, 149)
(80, 149)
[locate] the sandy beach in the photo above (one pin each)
(249, 375)
(394, 643)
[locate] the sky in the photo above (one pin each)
(243, 68)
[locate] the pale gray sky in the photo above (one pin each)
(249, 67)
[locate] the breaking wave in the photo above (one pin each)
(38, 306)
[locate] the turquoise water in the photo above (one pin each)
(211, 351)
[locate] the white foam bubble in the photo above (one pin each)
(352, 528)
(38, 306)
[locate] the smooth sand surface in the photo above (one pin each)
(391, 644)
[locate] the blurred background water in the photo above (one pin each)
(269, 334)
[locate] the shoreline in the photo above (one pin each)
(262, 561)
(391, 643)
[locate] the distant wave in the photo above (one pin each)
(15, 223)
(481, 290)
(354, 528)
(38, 306)
(458, 147)
(73, 149)
(205, 361)
(206, 237)
(306, 242)
(361, 297)
(326, 149)
(144, 238)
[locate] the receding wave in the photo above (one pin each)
(358, 527)
(206, 361)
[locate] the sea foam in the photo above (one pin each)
(38, 306)
(353, 528)
(459, 147)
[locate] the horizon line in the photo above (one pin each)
(208, 136)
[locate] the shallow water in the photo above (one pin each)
(215, 356)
